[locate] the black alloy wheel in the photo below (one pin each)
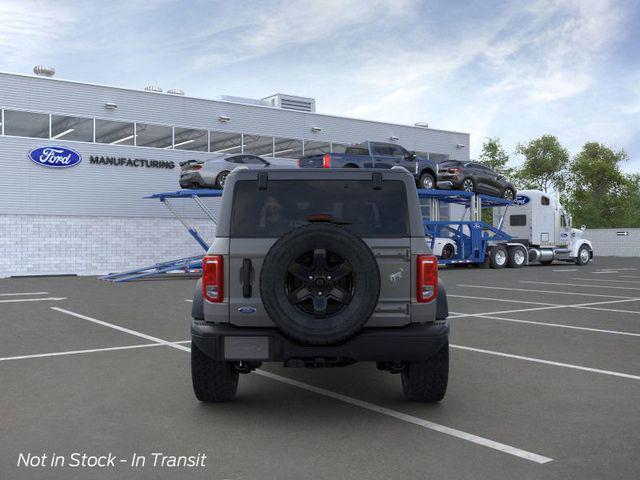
(467, 185)
(508, 194)
(320, 283)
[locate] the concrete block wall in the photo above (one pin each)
(53, 245)
(613, 242)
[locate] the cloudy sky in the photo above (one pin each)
(514, 69)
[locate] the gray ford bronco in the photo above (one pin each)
(320, 268)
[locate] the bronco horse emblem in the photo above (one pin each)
(395, 277)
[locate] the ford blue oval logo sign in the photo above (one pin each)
(55, 157)
(247, 310)
(521, 200)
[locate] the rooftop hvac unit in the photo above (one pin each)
(153, 88)
(43, 71)
(244, 100)
(291, 102)
(175, 91)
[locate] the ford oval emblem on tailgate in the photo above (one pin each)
(55, 157)
(247, 310)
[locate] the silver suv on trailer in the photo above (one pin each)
(320, 268)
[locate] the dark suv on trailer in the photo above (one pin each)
(313, 268)
(474, 177)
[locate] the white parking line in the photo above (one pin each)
(566, 270)
(188, 300)
(589, 306)
(546, 324)
(629, 276)
(353, 401)
(27, 293)
(605, 280)
(503, 300)
(122, 329)
(548, 362)
(544, 291)
(581, 285)
(92, 350)
(48, 299)
(410, 419)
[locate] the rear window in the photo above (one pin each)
(287, 204)
(357, 151)
(517, 220)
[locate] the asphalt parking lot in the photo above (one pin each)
(544, 383)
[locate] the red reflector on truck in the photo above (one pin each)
(212, 278)
(326, 160)
(427, 278)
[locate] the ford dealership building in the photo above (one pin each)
(77, 159)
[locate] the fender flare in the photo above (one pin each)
(580, 243)
(442, 307)
(197, 310)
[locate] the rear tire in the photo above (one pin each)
(426, 381)
(427, 181)
(448, 251)
(468, 185)
(213, 381)
(508, 194)
(499, 256)
(221, 179)
(517, 257)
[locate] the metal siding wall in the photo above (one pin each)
(86, 189)
(606, 242)
(104, 190)
(58, 96)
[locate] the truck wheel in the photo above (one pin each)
(508, 194)
(517, 257)
(221, 179)
(499, 256)
(319, 283)
(426, 381)
(584, 255)
(213, 381)
(427, 181)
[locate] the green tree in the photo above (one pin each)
(545, 164)
(600, 194)
(494, 156)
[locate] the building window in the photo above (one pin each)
(545, 200)
(190, 139)
(257, 145)
(338, 148)
(287, 148)
(157, 136)
(71, 128)
(115, 133)
(26, 124)
(225, 142)
(316, 148)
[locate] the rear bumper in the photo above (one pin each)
(400, 344)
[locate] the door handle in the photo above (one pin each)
(245, 277)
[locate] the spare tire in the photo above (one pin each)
(319, 284)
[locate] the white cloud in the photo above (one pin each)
(29, 30)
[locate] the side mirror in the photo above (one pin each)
(410, 156)
(583, 228)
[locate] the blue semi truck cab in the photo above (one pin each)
(378, 155)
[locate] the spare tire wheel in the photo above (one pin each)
(319, 283)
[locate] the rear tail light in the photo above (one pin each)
(212, 278)
(298, 162)
(454, 170)
(326, 160)
(427, 278)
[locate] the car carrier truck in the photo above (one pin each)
(540, 223)
(534, 228)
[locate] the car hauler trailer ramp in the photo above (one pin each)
(474, 241)
(186, 264)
